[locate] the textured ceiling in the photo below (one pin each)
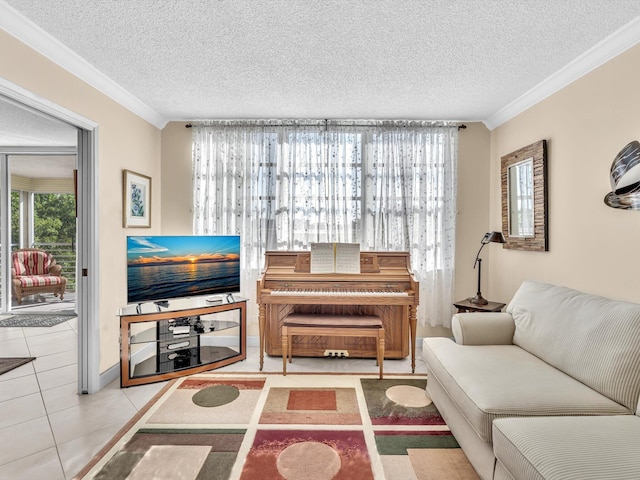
(428, 59)
(50, 166)
(23, 128)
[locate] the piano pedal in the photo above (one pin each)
(336, 353)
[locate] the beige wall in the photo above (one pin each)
(125, 142)
(473, 207)
(592, 247)
(473, 200)
(177, 197)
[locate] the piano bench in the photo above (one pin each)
(331, 326)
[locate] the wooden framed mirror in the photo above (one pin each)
(524, 198)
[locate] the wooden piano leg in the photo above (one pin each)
(262, 316)
(285, 349)
(381, 350)
(412, 327)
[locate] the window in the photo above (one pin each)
(384, 185)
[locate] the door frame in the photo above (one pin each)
(5, 207)
(87, 228)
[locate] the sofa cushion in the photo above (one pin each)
(40, 280)
(31, 262)
(491, 381)
(18, 267)
(593, 339)
(563, 448)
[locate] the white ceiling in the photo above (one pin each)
(466, 60)
(20, 127)
(39, 166)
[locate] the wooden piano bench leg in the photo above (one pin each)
(285, 350)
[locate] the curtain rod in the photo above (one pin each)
(460, 127)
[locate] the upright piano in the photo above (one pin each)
(385, 287)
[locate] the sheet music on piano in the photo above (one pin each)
(348, 258)
(323, 259)
(335, 258)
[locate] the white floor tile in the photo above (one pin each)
(55, 360)
(57, 377)
(90, 416)
(66, 396)
(18, 387)
(21, 409)
(15, 347)
(141, 395)
(41, 465)
(62, 397)
(9, 333)
(24, 439)
(41, 345)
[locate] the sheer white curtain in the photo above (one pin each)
(410, 185)
(286, 184)
(318, 186)
(232, 185)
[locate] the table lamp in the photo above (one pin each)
(489, 237)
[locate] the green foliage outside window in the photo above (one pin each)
(15, 218)
(55, 218)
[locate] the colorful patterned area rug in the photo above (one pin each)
(298, 427)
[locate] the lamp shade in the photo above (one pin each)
(494, 237)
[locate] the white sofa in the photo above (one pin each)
(520, 389)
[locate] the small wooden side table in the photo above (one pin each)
(466, 306)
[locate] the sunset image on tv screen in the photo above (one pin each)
(165, 267)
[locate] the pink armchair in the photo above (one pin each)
(35, 271)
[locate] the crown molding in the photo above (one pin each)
(33, 36)
(18, 96)
(612, 46)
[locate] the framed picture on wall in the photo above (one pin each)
(136, 204)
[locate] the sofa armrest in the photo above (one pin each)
(483, 328)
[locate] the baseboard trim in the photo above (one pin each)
(109, 375)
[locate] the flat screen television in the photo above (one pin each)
(164, 267)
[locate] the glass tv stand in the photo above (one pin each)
(168, 339)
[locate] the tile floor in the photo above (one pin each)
(49, 431)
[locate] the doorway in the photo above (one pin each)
(43, 222)
(25, 119)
